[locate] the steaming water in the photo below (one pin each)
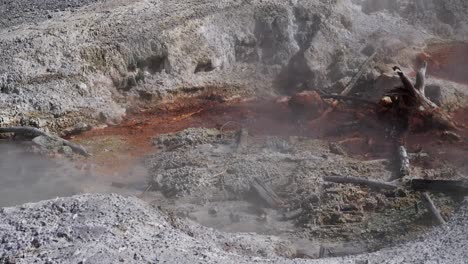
(27, 177)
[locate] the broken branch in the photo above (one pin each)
(432, 208)
(25, 130)
(360, 181)
(265, 193)
(356, 77)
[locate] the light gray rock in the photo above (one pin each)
(78, 61)
(47, 143)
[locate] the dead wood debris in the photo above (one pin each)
(25, 130)
(432, 208)
(458, 187)
(412, 99)
(344, 94)
(451, 136)
(359, 74)
(265, 193)
(361, 181)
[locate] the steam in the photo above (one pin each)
(28, 177)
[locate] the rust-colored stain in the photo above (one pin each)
(447, 61)
(116, 148)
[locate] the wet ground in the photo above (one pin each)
(199, 173)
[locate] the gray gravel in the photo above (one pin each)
(110, 229)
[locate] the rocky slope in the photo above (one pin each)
(63, 63)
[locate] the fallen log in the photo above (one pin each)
(445, 186)
(265, 193)
(432, 208)
(25, 130)
(361, 181)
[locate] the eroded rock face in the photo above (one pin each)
(71, 62)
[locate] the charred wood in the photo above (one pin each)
(445, 186)
(361, 181)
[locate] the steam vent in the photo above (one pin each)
(233, 131)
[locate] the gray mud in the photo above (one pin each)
(202, 175)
